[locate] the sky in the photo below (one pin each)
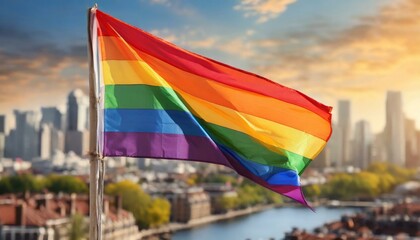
(328, 49)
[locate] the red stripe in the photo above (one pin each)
(205, 67)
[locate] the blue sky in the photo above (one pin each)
(328, 49)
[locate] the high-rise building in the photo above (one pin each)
(334, 147)
(57, 141)
(54, 116)
(411, 150)
(10, 145)
(2, 135)
(362, 145)
(77, 142)
(26, 135)
(417, 163)
(2, 124)
(379, 151)
(344, 126)
(77, 106)
(322, 161)
(45, 141)
(2, 145)
(394, 128)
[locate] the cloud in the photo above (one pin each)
(34, 68)
(379, 53)
(377, 47)
(264, 10)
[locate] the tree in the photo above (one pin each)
(66, 184)
(312, 191)
(78, 229)
(21, 183)
(147, 211)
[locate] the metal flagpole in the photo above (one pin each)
(96, 164)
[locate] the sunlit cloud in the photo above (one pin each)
(37, 70)
(379, 53)
(263, 10)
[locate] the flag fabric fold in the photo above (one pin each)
(160, 101)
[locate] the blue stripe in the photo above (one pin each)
(270, 174)
(152, 121)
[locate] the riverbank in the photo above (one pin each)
(174, 227)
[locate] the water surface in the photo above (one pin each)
(265, 225)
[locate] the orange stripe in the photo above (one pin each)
(247, 102)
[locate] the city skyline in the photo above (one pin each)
(357, 52)
(40, 133)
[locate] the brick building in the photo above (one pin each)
(48, 217)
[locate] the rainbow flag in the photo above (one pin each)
(161, 101)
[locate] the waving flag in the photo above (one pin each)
(161, 101)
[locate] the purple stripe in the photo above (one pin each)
(193, 148)
(168, 146)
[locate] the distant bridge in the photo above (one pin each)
(356, 204)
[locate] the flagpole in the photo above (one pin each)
(96, 164)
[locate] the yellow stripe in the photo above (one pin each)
(273, 135)
(137, 72)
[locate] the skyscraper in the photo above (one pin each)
(77, 106)
(334, 147)
(2, 135)
(45, 141)
(54, 116)
(26, 135)
(411, 150)
(344, 126)
(362, 145)
(394, 128)
(2, 124)
(76, 137)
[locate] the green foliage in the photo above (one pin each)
(218, 178)
(21, 183)
(148, 212)
(226, 203)
(78, 229)
(379, 178)
(35, 184)
(312, 191)
(66, 184)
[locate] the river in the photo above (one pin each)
(269, 224)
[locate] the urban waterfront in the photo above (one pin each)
(269, 224)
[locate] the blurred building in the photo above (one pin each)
(26, 140)
(77, 108)
(2, 135)
(189, 204)
(216, 193)
(334, 147)
(48, 217)
(45, 141)
(322, 161)
(57, 141)
(344, 127)
(54, 116)
(362, 152)
(411, 145)
(77, 142)
(77, 137)
(394, 129)
(2, 124)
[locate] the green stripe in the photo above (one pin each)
(138, 96)
(248, 148)
(155, 97)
